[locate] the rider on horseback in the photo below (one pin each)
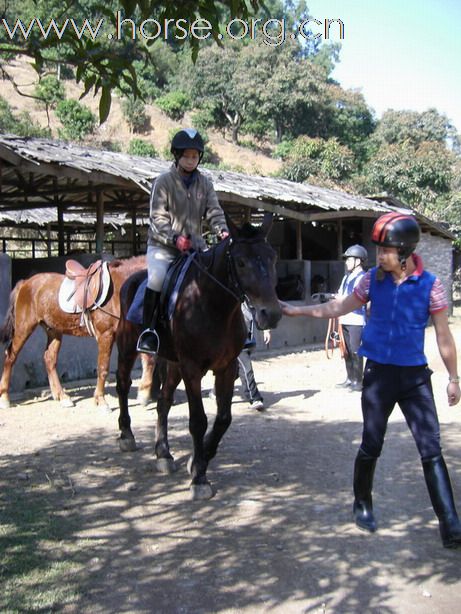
(180, 200)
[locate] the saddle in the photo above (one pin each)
(83, 290)
(88, 282)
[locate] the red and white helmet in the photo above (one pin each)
(396, 230)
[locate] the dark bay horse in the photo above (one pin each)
(206, 332)
(34, 302)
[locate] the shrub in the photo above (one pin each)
(77, 120)
(22, 125)
(138, 147)
(135, 114)
(174, 104)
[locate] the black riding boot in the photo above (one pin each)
(357, 372)
(364, 469)
(148, 341)
(441, 494)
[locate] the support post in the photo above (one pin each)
(299, 241)
(100, 223)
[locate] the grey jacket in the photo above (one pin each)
(177, 210)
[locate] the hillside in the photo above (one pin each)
(117, 130)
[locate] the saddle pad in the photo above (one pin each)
(67, 292)
(169, 294)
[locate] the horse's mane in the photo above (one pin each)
(133, 263)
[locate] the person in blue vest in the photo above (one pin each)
(352, 323)
(403, 296)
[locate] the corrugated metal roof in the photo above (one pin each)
(52, 158)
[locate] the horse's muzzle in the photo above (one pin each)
(268, 317)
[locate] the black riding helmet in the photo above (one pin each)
(397, 230)
(189, 138)
(356, 251)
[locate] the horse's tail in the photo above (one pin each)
(7, 328)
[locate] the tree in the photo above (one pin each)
(50, 91)
(102, 49)
(418, 175)
(318, 161)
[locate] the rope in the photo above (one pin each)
(335, 338)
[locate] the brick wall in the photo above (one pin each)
(437, 255)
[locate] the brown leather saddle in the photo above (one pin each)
(88, 282)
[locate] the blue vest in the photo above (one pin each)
(394, 333)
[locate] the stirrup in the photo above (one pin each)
(148, 342)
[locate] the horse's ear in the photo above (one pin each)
(267, 223)
(234, 231)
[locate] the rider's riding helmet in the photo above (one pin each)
(397, 230)
(356, 251)
(189, 138)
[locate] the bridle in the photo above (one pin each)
(234, 288)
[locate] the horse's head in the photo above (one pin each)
(253, 267)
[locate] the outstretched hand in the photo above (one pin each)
(287, 310)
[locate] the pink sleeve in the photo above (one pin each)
(362, 289)
(438, 299)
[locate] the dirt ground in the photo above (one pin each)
(277, 537)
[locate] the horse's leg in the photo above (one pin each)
(21, 334)
(105, 344)
(165, 462)
(50, 357)
(144, 389)
(198, 463)
(126, 358)
(224, 384)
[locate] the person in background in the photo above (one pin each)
(403, 296)
(245, 367)
(180, 200)
(352, 323)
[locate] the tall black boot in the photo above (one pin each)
(364, 469)
(357, 372)
(441, 494)
(148, 341)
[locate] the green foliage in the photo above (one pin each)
(77, 120)
(310, 159)
(174, 104)
(50, 90)
(138, 147)
(103, 61)
(413, 127)
(417, 175)
(21, 125)
(134, 111)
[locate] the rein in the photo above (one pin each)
(238, 294)
(335, 338)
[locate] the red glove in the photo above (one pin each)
(183, 243)
(223, 235)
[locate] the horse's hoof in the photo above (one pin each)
(165, 465)
(5, 404)
(201, 492)
(66, 402)
(127, 445)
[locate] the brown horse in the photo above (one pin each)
(34, 301)
(206, 332)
